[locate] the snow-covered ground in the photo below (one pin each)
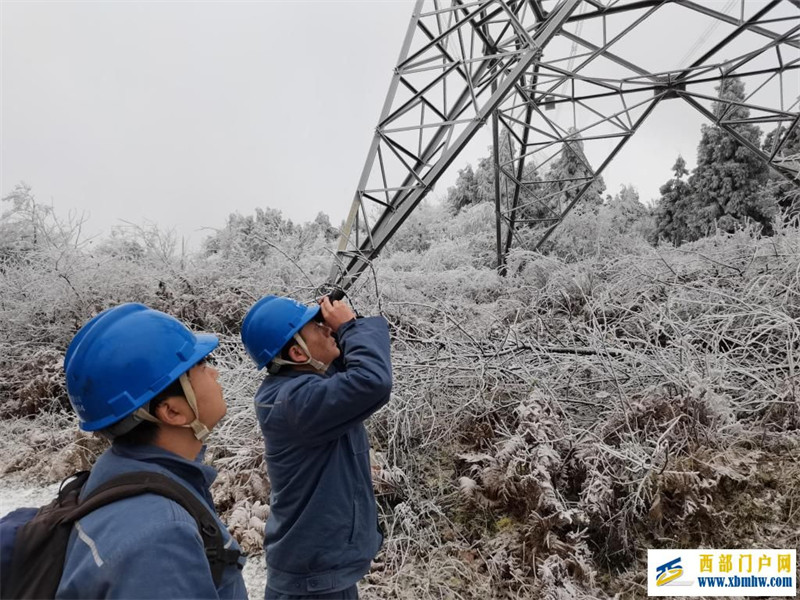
(15, 492)
(255, 576)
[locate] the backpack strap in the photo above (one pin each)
(72, 485)
(148, 482)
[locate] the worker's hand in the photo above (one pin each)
(335, 314)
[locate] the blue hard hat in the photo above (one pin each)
(126, 356)
(270, 324)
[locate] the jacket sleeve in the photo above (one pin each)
(167, 562)
(323, 408)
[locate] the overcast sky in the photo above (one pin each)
(183, 112)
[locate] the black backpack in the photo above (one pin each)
(34, 546)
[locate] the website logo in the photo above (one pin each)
(728, 572)
(668, 572)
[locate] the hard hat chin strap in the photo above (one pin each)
(317, 364)
(200, 430)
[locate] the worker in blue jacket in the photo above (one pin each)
(328, 373)
(141, 377)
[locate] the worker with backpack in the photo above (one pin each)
(142, 524)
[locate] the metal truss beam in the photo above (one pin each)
(556, 79)
(406, 200)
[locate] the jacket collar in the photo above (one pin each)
(291, 373)
(200, 476)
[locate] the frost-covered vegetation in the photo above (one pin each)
(606, 396)
(546, 427)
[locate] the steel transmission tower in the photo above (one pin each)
(576, 77)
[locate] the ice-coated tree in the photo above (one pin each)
(569, 174)
(785, 193)
(674, 206)
(465, 192)
(728, 179)
(475, 186)
(626, 211)
(424, 227)
(322, 223)
(539, 197)
(23, 223)
(253, 236)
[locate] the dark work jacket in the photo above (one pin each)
(322, 531)
(146, 546)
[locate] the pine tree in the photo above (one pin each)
(531, 204)
(538, 199)
(569, 174)
(475, 186)
(785, 193)
(625, 210)
(322, 223)
(729, 178)
(465, 192)
(674, 206)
